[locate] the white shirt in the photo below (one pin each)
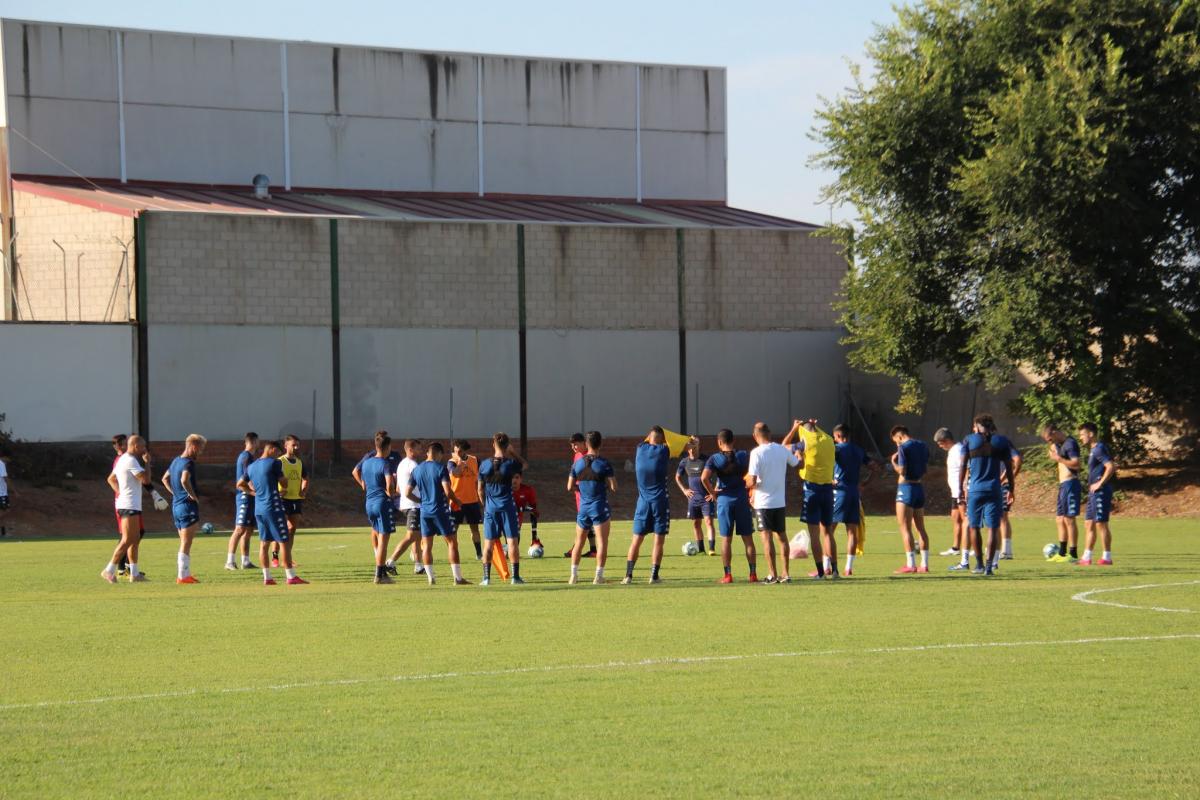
(403, 473)
(954, 459)
(129, 485)
(3, 479)
(769, 464)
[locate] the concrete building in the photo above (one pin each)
(448, 243)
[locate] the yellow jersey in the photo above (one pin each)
(465, 483)
(295, 472)
(818, 456)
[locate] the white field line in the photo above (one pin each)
(1086, 597)
(605, 665)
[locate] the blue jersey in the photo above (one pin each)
(1069, 450)
(591, 476)
(848, 461)
(1096, 461)
(264, 475)
(730, 469)
(497, 475)
(986, 457)
(393, 459)
(244, 459)
(692, 469)
(180, 465)
(428, 477)
(914, 459)
(374, 472)
(650, 466)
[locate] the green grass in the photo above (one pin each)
(346, 688)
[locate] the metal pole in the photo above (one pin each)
(64, 259)
(582, 427)
(790, 417)
(451, 414)
(312, 434)
(78, 289)
(697, 409)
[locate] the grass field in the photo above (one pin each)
(916, 686)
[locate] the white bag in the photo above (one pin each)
(801, 545)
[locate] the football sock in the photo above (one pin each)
(1074, 552)
(246, 561)
(820, 570)
(110, 568)
(133, 569)
(827, 563)
(925, 559)
(478, 550)
(911, 559)
(229, 560)
(1107, 556)
(266, 574)
(712, 545)
(290, 573)
(753, 566)
(429, 572)
(966, 558)
(456, 570)
(516, 569)
(389, 563)
(1062, 548)
(654, 571)
(1008, 547)
(629, 569)
(700, 545)
(574, 570)
(599, 572)
(184, 562)
(487, 570)
(379, 571)
(727, 570)
(849, 563)
(1087, 555)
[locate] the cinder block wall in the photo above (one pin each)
(97, 289)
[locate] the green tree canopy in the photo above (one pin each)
(1027, 178)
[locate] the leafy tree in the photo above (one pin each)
(1027, 175)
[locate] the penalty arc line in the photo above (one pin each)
(1086, 597)
(604, 665)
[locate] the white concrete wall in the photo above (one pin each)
(61, 383)
(743, 378)
(400, 379)
(223, 380)
(209, 109)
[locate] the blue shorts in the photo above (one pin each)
(733, 516)
(652, 516)
(437, 524)
(910, 494)
(272, 524)
(846, 507)
(590, 516)
(985, 509)
(243, 511)
(700, 508)
(293, 508)
(1099, 505)
(1069, 495)
(501, 521)
(382, 514)
(186, 514)
(818, 503)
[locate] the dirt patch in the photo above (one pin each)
(84, 507)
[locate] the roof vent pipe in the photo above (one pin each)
(262, 185)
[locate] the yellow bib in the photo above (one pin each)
(294, 472)
(818, 456)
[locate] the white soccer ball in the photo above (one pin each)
(801, 544)
(207, 527)
(536, 551)
(1050, 550)
(690, 548)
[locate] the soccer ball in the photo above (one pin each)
(690, 548)
(536, 551)
(207, 527)
(1050, 550)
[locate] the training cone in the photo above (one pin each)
(500, 561)
(862, 530)
(676, 442)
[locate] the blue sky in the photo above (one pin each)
(781, 56)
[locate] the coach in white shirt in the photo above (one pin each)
(944, 439)
(129, 476)
(767, 481)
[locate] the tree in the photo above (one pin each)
(1027, 176)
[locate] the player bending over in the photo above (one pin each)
(180, 481)
(766, 477)
(700, 510)
(910, 462)
(724, 479)
(262, 481)
(379, 483)
(653, 512)
(409, 510)
(130, 475)
(1064, 451)
(578, 451)
(243, 508)
(495, 486)
(525, 497)
(592, 478)
(1101, 471)
(430, 484)
(849, 459)
(296, 472)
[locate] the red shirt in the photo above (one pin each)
(525, 497)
